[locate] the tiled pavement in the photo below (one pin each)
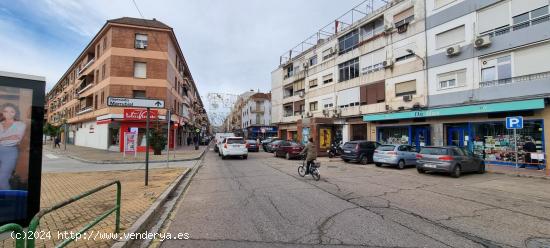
(92, 155)
(136, 198)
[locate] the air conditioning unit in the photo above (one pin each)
(305, 65)
(325, 112)
(387, 63)
(454, 50)
(407, 98)
(388, 28)
(302, 94)
(309, 114)
(482, 41)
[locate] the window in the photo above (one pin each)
(441, 3)
(298, 86)
(313, 60)
(373, 61)
(289, 71)
(348, 97)
(533, 17)
(451, 79)
(141, 41)
(140, 70)
(138, 93)
(348, 42)
(372, 93)
(104, 42)
(405, 88)
(372, 28)
(402, 54)
(327, 79)
(327, 53)
(348, 70)
(102, 97)
(313, 83)
(103, 72)
(327, 102)
(494, 18)
(450, 37)
(313, 106)
(404, 17)
(496, 69)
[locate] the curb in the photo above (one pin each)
(518, 175)
(131, 162)
(147, 219)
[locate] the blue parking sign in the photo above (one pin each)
(515, 122)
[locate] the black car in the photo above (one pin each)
(359, 151)
(252, 146)
(265, 143)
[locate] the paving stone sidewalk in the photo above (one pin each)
(91, 155)
(136, 199)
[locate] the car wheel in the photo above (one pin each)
(456, 171)
(287, 156)
(219, 154)
(364, 160)
(245, 157)
(401, 164)
(420, 170)
(378, 164)
(223, 157)
(481, 168)
(331, 155)
(346, 160)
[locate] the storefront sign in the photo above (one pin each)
(134, 102)
(22, 110)
(140, 114)
(463, 110)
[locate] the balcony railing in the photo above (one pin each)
(82, 89)
(86, 66)
(515, 79)
(258, 109)
(85, 110)
(508, 29)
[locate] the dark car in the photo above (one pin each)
(359, 151)
(252, 146)
(272, 146)
(265, 143)
(449, 159)
(289, 149)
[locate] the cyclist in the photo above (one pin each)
(311, 153)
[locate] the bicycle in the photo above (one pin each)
(313, 169)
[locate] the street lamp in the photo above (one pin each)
(413, 53)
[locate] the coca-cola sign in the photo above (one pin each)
(140, 114)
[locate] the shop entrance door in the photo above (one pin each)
(421, 137)
(455, 136)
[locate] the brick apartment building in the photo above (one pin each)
(133, 58)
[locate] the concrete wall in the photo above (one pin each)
(92, 135)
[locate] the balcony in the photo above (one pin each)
(508, 29)
(258, 109)
(84, 110)
(525, 78)
(295, 76)
(86, 66)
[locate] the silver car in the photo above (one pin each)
(396, 155)
(450, 159)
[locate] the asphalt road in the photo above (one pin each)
(262, 202)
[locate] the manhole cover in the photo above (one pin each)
(538, 243)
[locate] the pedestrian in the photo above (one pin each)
(12, 130)
(529, 147)
(195, 140)
(57, 141)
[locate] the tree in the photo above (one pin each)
(157, 139)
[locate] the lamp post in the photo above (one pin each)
(416, 55)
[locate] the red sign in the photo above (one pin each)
(140, 114)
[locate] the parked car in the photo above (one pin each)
(219, 137)
(233, 146)
(396, 155)
(252, 146)
(289, 149)
(266, 142)
(359, 151)
(450, 159)
(272, 146)
(205, 140)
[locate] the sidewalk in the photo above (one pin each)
(519, 172)
(97, 156)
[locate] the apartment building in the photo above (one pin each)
(487, 60)
(256, 117)
(133, 58)
(373, 64)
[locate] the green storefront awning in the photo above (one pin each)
(462, 110)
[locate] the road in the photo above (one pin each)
(262, 202)
(52, 163)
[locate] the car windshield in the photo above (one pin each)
(350, 145)
(433, 151)
(251, 141)
(386, 148)
(235, 141)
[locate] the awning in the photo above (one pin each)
(462, 110)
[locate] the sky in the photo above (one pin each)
(230, 46)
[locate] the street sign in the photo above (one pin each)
(515, 122)
(134, 102)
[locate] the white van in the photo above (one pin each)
(218, 138)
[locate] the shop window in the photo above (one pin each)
(393, 135)
(405, 88)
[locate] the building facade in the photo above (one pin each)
(473, 63)
(256, 117)
(372, 65)
(131, 58)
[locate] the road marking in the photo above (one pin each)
(51, 156)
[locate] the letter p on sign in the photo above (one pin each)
(515, 122)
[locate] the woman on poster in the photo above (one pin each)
(11, 134)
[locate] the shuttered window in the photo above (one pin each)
(140, 70)
(493, 17)
(327, 78)
(348, 97)
(451, 79)
(441, 3)
(405, 88)
(450, 37)
(373, 93)
(522, 6)
(403, 15)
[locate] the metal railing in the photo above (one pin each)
(508, 29)
(15, 228)
(514, 79)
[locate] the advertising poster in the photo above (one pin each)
(21, 120)
(305, 135)
(324, 138)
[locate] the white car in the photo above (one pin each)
(219, 138)
(233, 146)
